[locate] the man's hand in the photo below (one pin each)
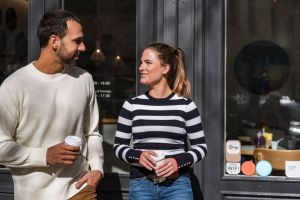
(62, 154)
(92, 178)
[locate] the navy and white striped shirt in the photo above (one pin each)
(160, 125)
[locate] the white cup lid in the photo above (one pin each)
(160, 156)
(73, 140)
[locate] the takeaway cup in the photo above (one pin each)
(73, 141)
(159, 159)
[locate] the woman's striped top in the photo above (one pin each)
(162, 125)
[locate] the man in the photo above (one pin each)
(41, 104)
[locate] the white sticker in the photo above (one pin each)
(233, 168)
(292, 169)
(233, 146)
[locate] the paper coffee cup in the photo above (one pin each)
(73, 141)
(159, 158)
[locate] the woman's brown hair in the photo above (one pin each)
(176, 77)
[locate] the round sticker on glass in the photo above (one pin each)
(263, 168)
(248, 168)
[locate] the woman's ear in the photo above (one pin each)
(166, 68)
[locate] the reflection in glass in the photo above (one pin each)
(261, 67)
(11, 19)
(13, 36)
(97, 55)
(109, 34)
(262, 70)
(110, 39)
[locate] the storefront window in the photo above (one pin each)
(262, 84)
(13, 36)
(110, 39)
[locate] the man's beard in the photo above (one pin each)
(68, 61)
(65, 58)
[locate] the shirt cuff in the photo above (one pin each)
(38, 157)
(96, 164)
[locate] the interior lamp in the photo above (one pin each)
(97, 55)
(118, 61)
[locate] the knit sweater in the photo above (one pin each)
(161, 125)
(38, 111)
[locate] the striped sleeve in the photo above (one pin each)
(123, 136)
(195, 134)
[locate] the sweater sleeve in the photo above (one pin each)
(13, 154)
(195, 134)
(94, 138)
(123, 136)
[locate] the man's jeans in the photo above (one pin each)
(144, 189)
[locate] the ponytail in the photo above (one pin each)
(179, 83)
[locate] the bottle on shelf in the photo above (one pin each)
(259, 140)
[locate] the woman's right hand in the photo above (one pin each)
(146, 160)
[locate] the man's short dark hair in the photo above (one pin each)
(54, 22)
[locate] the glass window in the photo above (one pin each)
(13, 36)
(262, 70)
(110, 39)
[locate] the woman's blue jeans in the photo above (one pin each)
(145, 189)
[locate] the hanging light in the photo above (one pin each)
(98, 55)
(118, 61)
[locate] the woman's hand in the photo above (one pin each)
(146, 160)
(167, 168)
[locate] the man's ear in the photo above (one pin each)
(54, 42)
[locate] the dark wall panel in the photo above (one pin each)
(170, 32)
(186, 34)
(256, 198)
(6, 196)
(146, 30)
(213, 96)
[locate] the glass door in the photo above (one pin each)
(13, 36)
(110, 39)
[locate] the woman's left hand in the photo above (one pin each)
(167, 168)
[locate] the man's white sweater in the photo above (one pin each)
(38, 111)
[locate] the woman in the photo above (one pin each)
(160, 122)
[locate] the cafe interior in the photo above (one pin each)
(262, 88)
